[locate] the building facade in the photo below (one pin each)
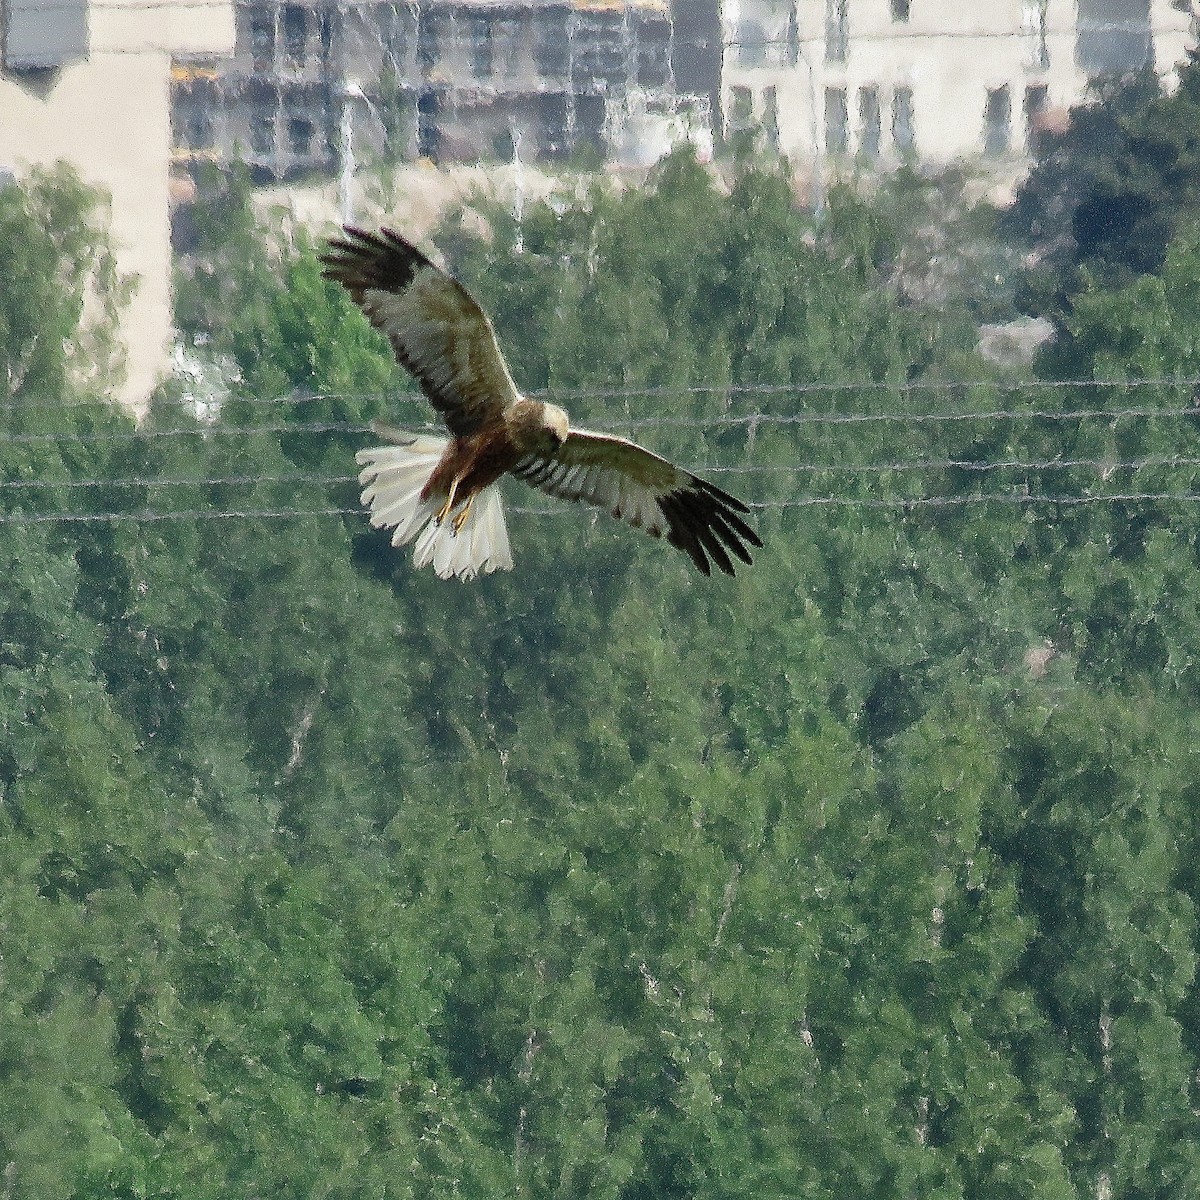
(313, 83)
(88, 82)
(876, 82)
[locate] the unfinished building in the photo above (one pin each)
(444, 80)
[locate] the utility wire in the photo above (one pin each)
(1103, 466)
(753, 419)
(189, 481)
(871, 385)
(651, 391)
(200, 431)
(24, 518)
(916, 502)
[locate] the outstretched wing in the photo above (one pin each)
(647, 491)
(436, 327)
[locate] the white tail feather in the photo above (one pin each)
(393, 477)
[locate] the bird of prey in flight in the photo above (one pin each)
(443, 491)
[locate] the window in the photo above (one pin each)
(433, 29)
(741, 107)
(1113, 36)
(429, 136)
(300, 135)
(900, 10)
(1034, 27)
(551, 53)
(506, 43)
(262, 129)
(325, 33)
(197, 130)
(262, 39)
(654, 54)
(599, 61)
(837, 121)
(1037, 98)
(997, 122)
(552, 125)
(771, 117)
(192, 115)
(870, 123)
(752, 43)
(394, 36)
(904, 137)
(837, 30)
(295, 34)
(479, 41)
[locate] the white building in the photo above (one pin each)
(89, 82)
(880, 81)
(452, 81)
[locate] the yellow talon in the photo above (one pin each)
(460, 518)
(445, 510)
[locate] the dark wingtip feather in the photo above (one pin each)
(703, 526)
(359, 259)
(720, 494)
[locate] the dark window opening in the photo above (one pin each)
(997, 122)
(904, 136)
(479, 37)
(432, 31)
(300, 136)
(295, 34)
(552, 126)
(741, 107)
(837, 30)
(262, 130)
(771, 117)
(837, 121)
(551, 53)
(428, 133)
(870, 123)
(1037, 99)
(1113, 36)
(262, 40)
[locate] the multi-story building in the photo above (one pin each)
(882, 81)
(448, 80)
(88, 82)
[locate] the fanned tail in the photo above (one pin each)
(393, 478)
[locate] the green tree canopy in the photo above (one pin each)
(1107, 196)
(322, 876)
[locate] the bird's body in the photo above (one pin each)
(443, 492)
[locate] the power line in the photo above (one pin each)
(148, 515)
(753, 419)
(949, 386)
(902, 466)
(798, 502)
(651, 391)
(825, 418)
(189, 481)
(202, 432)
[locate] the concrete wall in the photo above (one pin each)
(108, 115)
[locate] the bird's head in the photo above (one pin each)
(555, 425)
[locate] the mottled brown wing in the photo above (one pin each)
(436, 327)
(649, 492)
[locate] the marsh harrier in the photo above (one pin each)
(442, 491)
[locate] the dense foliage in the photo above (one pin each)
(870, 873)
(1110, 192)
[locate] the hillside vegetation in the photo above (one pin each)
(869, 873)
